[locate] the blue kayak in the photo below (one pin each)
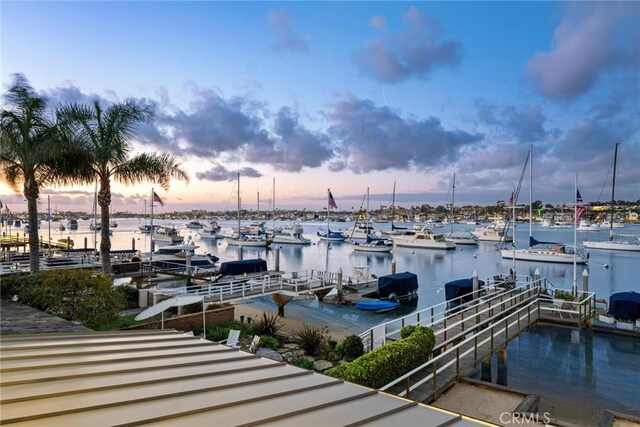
(379, 306)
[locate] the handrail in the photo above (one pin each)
(435, 317)
(503, 323)
(455, 347)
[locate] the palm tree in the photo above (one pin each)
(27, 150)
(105, 138)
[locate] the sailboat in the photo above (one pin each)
(545, 251)
(612, 243)
(395, 230)
(373, 242)
(328, 235)
(459, 237)
(241, 239)
(290, 234)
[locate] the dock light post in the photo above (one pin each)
(339, 279)
(277, 261)
(393, 267)
(585, 281)
(474, 278)
(240, 252)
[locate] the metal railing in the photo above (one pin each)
(439, 313)
(493, 332)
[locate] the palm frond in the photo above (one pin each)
(157, 168)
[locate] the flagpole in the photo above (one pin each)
(574, 288)
(151, 248)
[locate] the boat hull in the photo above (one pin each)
(612, 246)
(377, 306)
(542, 256)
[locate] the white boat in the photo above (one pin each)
(492, 233)
(615, 242)
(291, 234)
(211, 231)
(424, 239)
(360, 231)
(609, 224)
(251, 240)
(462, 238)
(540, 251)
(586, 225)
(172, 256)
(374, 245)
(194, 225)
(167, 235)
(240, 239)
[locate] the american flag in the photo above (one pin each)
(511, 200)
(332, 202)
(157, 198)
(580, 208)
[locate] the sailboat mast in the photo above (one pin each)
(328, 210)
(613, 191)
(273, 205)
(453, 195)
(151, 245)
(574, 288)
(393, 204)
(238, 205)
(530, 192)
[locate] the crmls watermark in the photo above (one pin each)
(508, 418)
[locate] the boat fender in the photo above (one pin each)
(393, 297)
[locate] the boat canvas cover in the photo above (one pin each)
(244, 266)
(533, 242)
(400, 284)
(460, 287)
(625, 305)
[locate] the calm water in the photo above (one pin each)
(433, 267)
(596, 370)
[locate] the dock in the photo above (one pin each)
(472, 332)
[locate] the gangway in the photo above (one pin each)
(471, 332)
(269, 284)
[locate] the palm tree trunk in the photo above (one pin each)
(104, 200)
(34, 244)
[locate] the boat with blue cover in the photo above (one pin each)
(398, 287)
(378, 306)
(460, 291)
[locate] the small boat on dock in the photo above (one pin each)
(378, 306)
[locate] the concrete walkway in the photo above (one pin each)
(18, 319)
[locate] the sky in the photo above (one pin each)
(347, 95)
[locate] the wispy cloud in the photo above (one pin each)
(593, 38)
(411, 53)
(286, 39)
(220, 173)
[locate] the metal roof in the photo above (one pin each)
(171, 378)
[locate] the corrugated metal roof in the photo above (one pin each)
(169, 378)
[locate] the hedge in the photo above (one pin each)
(75, 294)
(392, 360)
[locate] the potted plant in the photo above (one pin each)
(607, 318)
(624, 324)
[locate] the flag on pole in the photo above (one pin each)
(511, 199)
(332, 202)
(580, 208)
(157, 198)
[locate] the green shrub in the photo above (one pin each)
(562, 294)
(268, 324)
(12, 284)
(332, 344)
(268, 342)
(221, 332)
(301, 362)
(350, 348)
(74, 294)
(392, 360)
(311, 339)
(407, 331)
(130, 295)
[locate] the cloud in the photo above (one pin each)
(286, 39)
(525, 124)
(220, 173)
(593, 38)
(292, 146)
(373, 138)
(378, 22)
(411, 53)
